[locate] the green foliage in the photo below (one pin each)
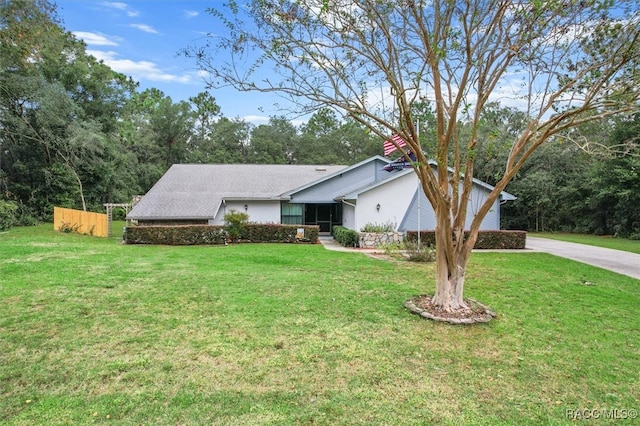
(60, 111)
(562, 189)
(176, 235)
(235, 222)
(325, 139)
(511, 240)
(411, 251)
(505, 240)
(276, 233)
(615, 184)
(379, 227)
(75, 133)
(215, 234)
(392, 247)
(118, 214)
(8, 214)
(420, 253)
(172, 124)
(345, 236)
(273, 143)
(68, 227)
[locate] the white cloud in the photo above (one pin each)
(191, 13)
(115, 5)
(94, 39)
(139, 70)
(146, 28)
(256, 119)
(121, 6)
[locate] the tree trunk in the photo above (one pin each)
(452, 256)
(75, 174)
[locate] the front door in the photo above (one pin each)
(323, 215)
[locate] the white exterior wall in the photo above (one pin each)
(348, 216)
(258, 211)
(394, 198)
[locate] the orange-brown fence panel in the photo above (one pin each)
(89, 223)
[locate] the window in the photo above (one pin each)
(291, 214)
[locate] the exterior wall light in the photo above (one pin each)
(378, 207)
(246, 207)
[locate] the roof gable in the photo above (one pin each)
(332, 187)
(395, 174)
(369, 161)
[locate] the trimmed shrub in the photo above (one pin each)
(275, 233)
(176, 235)
(487, 240)
(216, 234)
(235, 222)
(345, 236)
(501, 240)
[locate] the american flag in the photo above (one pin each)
(389, 147)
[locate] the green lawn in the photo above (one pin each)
(623, 244)
(93, 331)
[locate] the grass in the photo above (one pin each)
(93, 332)
(624, 244)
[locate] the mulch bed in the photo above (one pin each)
(477, 312)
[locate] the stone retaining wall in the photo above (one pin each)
(377, 239)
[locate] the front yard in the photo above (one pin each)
(92, 331)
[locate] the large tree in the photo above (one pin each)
(563, 63)
(59, 108)
(273, 143)
(614, 185)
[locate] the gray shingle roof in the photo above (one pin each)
(195, 191)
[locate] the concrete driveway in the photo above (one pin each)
(618, 261)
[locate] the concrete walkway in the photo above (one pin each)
(330, 244)
(618, 261)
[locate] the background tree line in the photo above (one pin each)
(74, 133)
(566, 187)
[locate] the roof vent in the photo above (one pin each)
(321, 169)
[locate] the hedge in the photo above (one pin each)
(345, 237)
(175, 235)
(275, 233)
(217, 234)
(507, 240)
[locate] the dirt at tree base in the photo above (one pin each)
(477, 312)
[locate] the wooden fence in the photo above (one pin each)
(68, 220)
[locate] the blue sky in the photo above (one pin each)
(142, 38)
